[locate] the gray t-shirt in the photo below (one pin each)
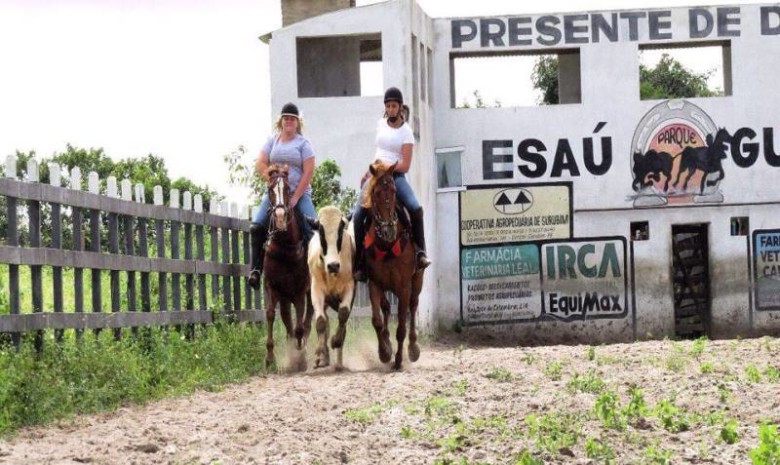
(292, 153)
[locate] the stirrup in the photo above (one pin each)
(423, 261)
(254, 279)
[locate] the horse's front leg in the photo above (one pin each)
(400, 332)
(300, 317)
(286, 314)
(414, 300)
(382, 333)
(337, 342)
(321, 324)
(270, 314)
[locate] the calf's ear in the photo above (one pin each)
(312, 222)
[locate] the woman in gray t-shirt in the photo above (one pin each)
(286, 146)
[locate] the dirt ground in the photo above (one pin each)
(460, 403)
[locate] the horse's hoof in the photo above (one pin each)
(414, 352)
(302, 366)
(321, 362)
(384, 356)
(339, 368)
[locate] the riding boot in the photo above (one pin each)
(359, 266)
(258, 236)
(418, 235)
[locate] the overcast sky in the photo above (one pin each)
(187, 80)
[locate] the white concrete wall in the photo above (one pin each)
(343, 128)
(602, 204)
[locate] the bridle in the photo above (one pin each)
(276, 194)
(385, 229)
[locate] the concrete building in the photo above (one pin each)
(605, 217)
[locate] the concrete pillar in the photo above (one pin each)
(569, 89)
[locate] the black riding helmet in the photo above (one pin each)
(289, 109)
(394, 94)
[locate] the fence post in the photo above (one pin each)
(175, 277)
(225, 210)
(13, 241)
(113, 248)
(244, 215)
(143, 251)
(94, 244)
(56, 243)
(159, 228)
(214, 210)
(34, 217)
(78, 245)
(126, 193)
(258, 299)
(201, 253)
(236, 216)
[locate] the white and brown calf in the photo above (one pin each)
(331, 251)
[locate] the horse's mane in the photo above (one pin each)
(379, 170)
(276, 168)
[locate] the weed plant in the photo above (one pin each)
(95, 372)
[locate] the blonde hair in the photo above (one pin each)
(278, 125)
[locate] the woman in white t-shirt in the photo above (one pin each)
(394, 143)
(286, 146)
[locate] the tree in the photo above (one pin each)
(544, 77)
(149, 171)
(668, 79)
(479, 102)
(325, 185)
(327, 190)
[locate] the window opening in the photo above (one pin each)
(339, 66)
(685, 70)
(515, 79)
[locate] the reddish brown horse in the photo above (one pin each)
(391, 265)
(285, 268)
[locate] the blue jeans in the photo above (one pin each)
(304, 207)
(403, 193)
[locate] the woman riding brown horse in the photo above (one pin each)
(391, 264)
(285, 268)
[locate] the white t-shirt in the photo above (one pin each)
(389, 141)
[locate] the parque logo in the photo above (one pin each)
(676, 156)
(513, 201)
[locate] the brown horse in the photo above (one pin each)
(391, 264)
(285, 268)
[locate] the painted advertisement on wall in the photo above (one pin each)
(766, 268)
(585, 278)
(500, 283)
(515, 213)
(567, 280)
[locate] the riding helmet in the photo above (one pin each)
(394, 94)
(289, 109)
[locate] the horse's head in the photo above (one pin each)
(380, 197)
(279, 196)
(722, 137)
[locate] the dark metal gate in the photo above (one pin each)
(691, 280)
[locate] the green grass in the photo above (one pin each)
(97, 373)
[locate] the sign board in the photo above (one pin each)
(766, 268)
(500, 283)
(573, 279)
(585, 278)
(515, 213)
